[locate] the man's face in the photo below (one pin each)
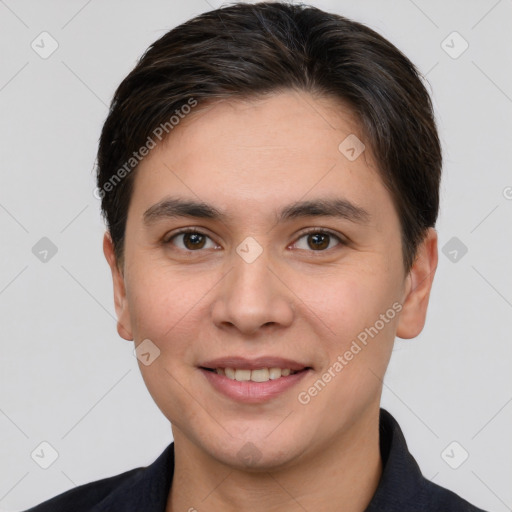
(255, 284)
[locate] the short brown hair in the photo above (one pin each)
(245, 50)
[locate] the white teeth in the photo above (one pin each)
(259, 375)
(242, 375)
(275, 373)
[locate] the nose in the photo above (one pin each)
(252, 296)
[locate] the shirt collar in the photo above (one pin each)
(401, 478)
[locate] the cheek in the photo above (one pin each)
(166, 309)
(170, 308)
(158, 300)
(347, 307)
(341, 300)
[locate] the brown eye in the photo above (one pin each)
(190, 240)
(318, 241)
(193, 241)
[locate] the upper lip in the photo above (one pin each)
(253, 364)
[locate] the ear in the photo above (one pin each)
(120, 302)
(419, 283)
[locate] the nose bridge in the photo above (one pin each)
(251, 294)
(252, 278)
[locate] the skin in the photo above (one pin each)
(250, 159)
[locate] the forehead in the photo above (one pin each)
(272, 150)
(277, 126)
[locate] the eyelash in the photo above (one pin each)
(310, 231)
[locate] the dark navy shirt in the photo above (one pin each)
(402, 487)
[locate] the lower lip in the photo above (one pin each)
(249, 391)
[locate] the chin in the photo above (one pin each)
(255, 454)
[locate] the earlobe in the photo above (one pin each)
(120, 301)
(419, 284)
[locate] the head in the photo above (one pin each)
(254, 125)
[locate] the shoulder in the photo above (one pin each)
(402, 485)
(436, 497)
(86, 497)
(143, 488)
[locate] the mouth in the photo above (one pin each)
(253, 381)
(256, 375)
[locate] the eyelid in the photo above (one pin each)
(311, 231)
(327, 231)
(200, 231)
(168, 237)
(308, 231)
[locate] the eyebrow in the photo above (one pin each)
(173, 207)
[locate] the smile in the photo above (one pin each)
(253, 386)
(258, 375)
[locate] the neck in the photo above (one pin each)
(343, 475)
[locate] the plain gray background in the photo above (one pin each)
(68, 379)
